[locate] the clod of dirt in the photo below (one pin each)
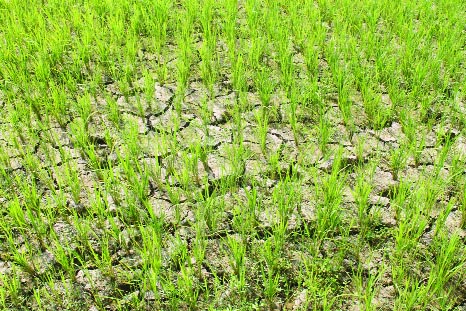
(427, 156)
(66, 234)
(387, 216)
(15, 163)
(43, 262)
(453, 223)
(163, 93)
(410, 174)
(163, 208)
(384, 297)
(393, 133)
(347, 195)
(149, 296)
(326, 165)
(94, 281)
(254, 167)
(298, 302)
(138, 121)
(169, 121)
(383, 181)
(460, 147)
(442, 173)
(63, 295)
(219, 108)
(216, 258)
(220, 166)
(219, 135)
(5, 268)
(378, 200)
(112, 207)
(341, 136)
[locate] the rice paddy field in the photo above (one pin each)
(232, 155)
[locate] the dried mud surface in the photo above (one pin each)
(364, 151)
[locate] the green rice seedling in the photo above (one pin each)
(189, 291)
(79, 133)
(208, 68)
(59, 103)
(411, 295)
(38, 223)
(285, 196)
(264, 86)
(269, 273)
(256, 51)
(174, 194)
(319, 292)
(63, 256)
(192, 162)
(238, 252)
(324, 133)
(162, 69)
(417, 149)
(30, 192)
(286, 63)
(313, 98)
(447, 266)
(463, 208)
(311, 55)
(209, 60)
(72, 178)
(366, 288)
(23, 257)
(252, 15)
(361, 192)
(13, 286)
(377, 114)
(3, 294)
(211, 211)
(16, 213)
(151, 253)
(94, 160)
(409, 230)
(183, 64)
(113, 111)
(199, 247)
(184, 175)
(262, 120)
(359, 150)
(273, 161)
(230, 29)
(104, 260)
(440, 222)
(310, 282)
(238, 75)
(342, 82)
(398, 159)
(250, 219)
(295, 99)
(206, 115)
(442, 156)
(83, 230)
(433, 190)
(329, 189)
(279, 234)
(159, 24)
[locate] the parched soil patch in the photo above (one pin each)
(232, 155)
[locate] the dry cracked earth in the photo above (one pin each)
(167, 135)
